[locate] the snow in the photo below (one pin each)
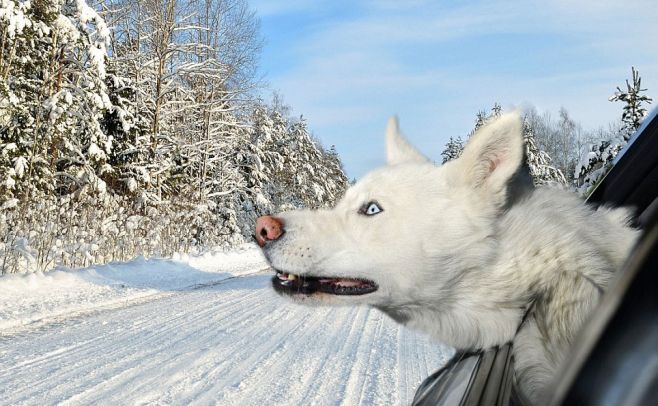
(39, 297)
(95, 152)
(66, 28)
(20, 165)
(15, 16)
(196, 330)
(9, 204)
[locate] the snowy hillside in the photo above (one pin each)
(200, 330)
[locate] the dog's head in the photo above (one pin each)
(405, 233)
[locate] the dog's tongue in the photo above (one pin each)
(348, 283)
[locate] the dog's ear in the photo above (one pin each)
(398, 149)
(492, 158)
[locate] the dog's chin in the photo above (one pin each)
(306, 288)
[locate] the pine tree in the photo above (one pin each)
(634, 111)
(595, 162)
(304, 164)
(453, 149)
(337, 181)
(480, 119)
(538, 161)
(274, 147)
(496, 111)
(597, 159)
(296, 170)
(128, 127)
(54, 67)
(29, 75)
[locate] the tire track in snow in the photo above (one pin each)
(273, 363)
(271, 340)
(165, 362)
(66, 352)
(17, 328)
(300, 365)
(331, 387)
(71, 364)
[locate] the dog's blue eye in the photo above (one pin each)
(371, 209)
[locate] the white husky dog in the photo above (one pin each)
(459, 251)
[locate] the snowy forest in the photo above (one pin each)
(559, 151)
(134, 128)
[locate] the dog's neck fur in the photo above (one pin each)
(533, 261)
(469, 320)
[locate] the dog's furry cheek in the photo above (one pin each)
(291, 257)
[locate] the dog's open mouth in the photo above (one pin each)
(294, 284)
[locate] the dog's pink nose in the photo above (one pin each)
(268, 228)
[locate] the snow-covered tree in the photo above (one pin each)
(595, 163)
(54, 67)
(152, 148)
(634, 110)
(28, 57)
(539, 162)
(453, 149)
(303, 180)
(597, 158)
(496, 111)
(480, 119)
(336, 181)
(297, 171)
(562, 138)
(127, 124)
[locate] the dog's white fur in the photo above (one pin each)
(456, 255)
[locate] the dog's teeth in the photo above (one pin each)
(292, 277)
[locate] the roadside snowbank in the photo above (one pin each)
(38, 297)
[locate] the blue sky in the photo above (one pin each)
(348, 65)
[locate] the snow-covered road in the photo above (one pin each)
(224, 341)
